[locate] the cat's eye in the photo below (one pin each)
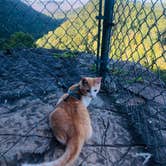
(88, 90)
(95, 90)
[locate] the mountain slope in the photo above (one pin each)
(79, 32)
(17, 16)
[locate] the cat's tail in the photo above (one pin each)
(73, 149)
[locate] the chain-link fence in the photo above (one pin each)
(139, 34)
(137, 66)
(68, 24)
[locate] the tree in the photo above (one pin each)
(19, 40)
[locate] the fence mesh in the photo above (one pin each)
(51, 24)
(138, 67)
(139, 34)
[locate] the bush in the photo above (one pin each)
(19, 40)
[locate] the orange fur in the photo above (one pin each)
(70, 121)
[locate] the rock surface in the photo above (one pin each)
(142, 95)
(31, 82)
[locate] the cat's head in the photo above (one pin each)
(90, 86)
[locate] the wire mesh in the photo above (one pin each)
(52, 24)
(139, 34)
(138, 66)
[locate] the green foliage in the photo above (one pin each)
(93, 67)
(19, 40)
(65, 55)
(134, 80)
(118, 71)
(139, 79)
(2, 42)
(163, 75)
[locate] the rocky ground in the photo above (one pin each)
(32, 80)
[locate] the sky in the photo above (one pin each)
(83, 1)
(64, 1)
(52, 6)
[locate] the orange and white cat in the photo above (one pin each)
(70, 120)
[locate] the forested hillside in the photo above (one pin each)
(17, 16)
(79, 32)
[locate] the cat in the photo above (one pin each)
(70, 121)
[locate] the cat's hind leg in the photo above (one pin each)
(61, 137)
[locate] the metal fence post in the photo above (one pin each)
(106, 35)
(99, 17)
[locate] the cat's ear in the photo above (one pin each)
(98, 80)
(84, 81)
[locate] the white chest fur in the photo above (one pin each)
(86, 100)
